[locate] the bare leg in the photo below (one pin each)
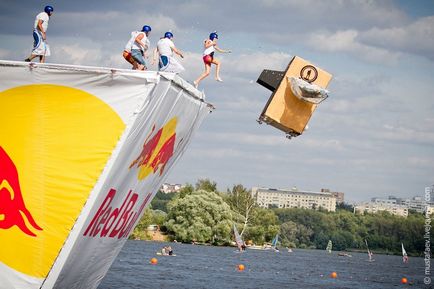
(30, 58)
(41, 58)
(217, 69)
(205, 74)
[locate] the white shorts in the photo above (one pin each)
(170, 64)
(39, 45)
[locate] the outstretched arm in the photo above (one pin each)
(155, 56)
(177, 51)
(221, 50)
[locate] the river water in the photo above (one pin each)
(197, 266)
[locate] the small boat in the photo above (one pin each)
(267, 247)
(404, 254)
(257, 247)
(329, 247)
(342, 254)
(166, 255)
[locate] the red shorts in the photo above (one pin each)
(207, 59)
(128, 57)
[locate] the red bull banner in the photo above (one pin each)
(83, 150)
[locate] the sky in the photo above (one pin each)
(373, 136)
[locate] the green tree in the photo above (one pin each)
(264, 226)
(186, 190)
(241, 202)
(206, 185)
(200, 216)
(161, 199)
(139, 231)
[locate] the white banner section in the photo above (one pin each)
(83, 151)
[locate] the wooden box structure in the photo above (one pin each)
(284, 110)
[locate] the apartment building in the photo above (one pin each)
(293, 198)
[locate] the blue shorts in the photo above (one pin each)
(39, 47)
(37, 38)
(138, 56)
(164, 61)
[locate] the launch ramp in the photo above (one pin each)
(83, 150)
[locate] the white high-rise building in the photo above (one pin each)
(376, 207)
(293, 198)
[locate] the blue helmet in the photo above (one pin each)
(48, 9)
(146, 28)
(168, 35)
(213, 35)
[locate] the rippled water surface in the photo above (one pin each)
(216, 267)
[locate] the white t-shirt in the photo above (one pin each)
(135, 45)
(209, 50)
(165, 46)
(44, 17)
(130, 42)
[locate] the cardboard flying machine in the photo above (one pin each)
(297, 91)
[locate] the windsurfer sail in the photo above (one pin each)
(370, 254)
(329, 246)
(238, 239)
(274, 242)
(404, 254)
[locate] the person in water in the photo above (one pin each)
(164, 51)
(169, 251)
(210, 46)
(40, 47)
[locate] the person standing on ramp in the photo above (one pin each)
(40, 46)
(165, 49)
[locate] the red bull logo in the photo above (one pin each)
(116, 222)
(157, 150)
(13, 211)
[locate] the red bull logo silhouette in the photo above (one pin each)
(157, 150)
(13, 211)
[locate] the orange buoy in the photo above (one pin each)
(154, 261)
(241, 267)
(404, 280)
(333, 275)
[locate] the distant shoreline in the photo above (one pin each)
(361, 251)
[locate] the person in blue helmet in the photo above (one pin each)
(210, 46)
(165, 49)
(40, 46)
(138, 45)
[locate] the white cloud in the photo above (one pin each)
(347, 41)
(255, 62)
(78, 55)
(416, 37)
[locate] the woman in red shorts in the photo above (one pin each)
(210, 46)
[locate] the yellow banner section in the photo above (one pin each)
(54, 143)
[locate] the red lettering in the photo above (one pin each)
(114, 215)
(124, 218)
(136, 216)
(93, 224)
(116, 222)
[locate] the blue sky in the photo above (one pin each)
(374, 135)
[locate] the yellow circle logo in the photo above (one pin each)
(54, 143)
